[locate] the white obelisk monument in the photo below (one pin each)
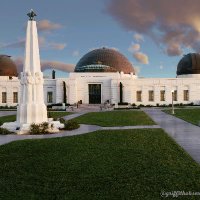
(31, 108)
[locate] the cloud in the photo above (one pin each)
(46, 25)
(134, 47)
(57, 46)
(43, 43)
(15, 45)
(165, 22)
(47, 65)
(138, 37)
(174, 50)
(141, 57)
(76, 53)
(113, 48)
(161, 67)
(57, 65)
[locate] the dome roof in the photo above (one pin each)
(104, 60)
(189, 64)
(7, 66)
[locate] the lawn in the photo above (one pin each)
(115, 118)
(190, 115)
(128, 164)
(12, 118)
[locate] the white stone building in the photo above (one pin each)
(105, 74)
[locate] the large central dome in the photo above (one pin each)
(104, 60)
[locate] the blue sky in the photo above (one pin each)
(72, 28)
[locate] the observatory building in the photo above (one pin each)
(105, 74)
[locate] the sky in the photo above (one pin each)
(154, 35)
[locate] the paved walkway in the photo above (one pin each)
(5, 113)
(184, 133)
(4, 139)
(71, 116)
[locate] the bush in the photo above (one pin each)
(4, 131)
(37, 129)
(8, 107)
(71, 125)
(141, 105)
(44, 128)
(62, 120)
(34, 129)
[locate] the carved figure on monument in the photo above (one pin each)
(29, 90)
(29, 78)
(39, 78)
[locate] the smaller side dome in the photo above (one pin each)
(189, 64)
(7, 66)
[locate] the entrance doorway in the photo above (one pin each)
(94, 93)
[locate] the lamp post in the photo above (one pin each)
(172, 102)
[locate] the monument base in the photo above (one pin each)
(54, 127)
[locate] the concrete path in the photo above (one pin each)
(72, 116)
(4, 139)
(5, 113)
(184, 133)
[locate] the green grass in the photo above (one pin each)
(9, 118)
(12, 118)
(128, 164)
(190, 115)
(58, 114)
(115, 118)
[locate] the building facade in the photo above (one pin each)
(106, 75)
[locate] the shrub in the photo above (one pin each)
(4, 131)
(34, 129)
(71, 125)
(141, 105)
(62, 120)
(37, 129)
(44, 128)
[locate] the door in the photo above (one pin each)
(94, 93)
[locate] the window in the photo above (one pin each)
(162, 95)
(151, 95)
(139, 95)
(49, 97)
(175, 95)
(186, 95)
(4, 97)
(15, 97)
